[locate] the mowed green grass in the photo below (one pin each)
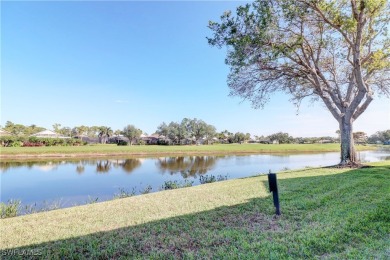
(327, 213)
(94, 150)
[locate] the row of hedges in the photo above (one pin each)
(17, 141)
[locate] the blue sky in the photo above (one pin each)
(142, 63)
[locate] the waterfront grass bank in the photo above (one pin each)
(326, 213)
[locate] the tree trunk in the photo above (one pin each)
(348, 155)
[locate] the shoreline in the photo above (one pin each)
(157, 151)
(152, 154)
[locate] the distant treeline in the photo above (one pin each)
(188, 131)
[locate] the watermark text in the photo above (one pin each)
(20, 252)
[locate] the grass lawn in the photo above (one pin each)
(104, 150)
(326, 213)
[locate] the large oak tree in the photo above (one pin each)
(334, 51)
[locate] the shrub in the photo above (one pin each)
(16, 144)
(124, 193)
(32, 144)
(11, 141)
(163, 142)
(122, 142)
(91, 200)
(203, 179)
(222, 178)
(9, 209)
(171, 185)
(30, 209)
(33, 141)
(207, 179)
(146, 190)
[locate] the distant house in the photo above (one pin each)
(4, 133)
(89, 140)
(199, 141)
(386, 142)
(223, 140)
(48, 134)
(152, 139)
(210, 141)
(118, 139)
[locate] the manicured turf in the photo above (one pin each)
(104, 150)
(326, 213)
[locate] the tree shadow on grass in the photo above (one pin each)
(321, 216)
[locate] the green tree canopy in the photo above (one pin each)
(190, 129)
(131, 132)
(334, 51)
(282, 138)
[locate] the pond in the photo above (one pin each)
(74, 182)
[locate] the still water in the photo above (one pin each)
(72, 182)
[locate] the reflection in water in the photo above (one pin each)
(80, 169)
(186, 166)
(47, 168)
(103, 166)
(130, 165)
(6, 165)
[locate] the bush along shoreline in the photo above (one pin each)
(20, 141)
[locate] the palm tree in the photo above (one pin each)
(80, 131)
(104, 134)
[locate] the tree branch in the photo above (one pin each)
(363, 107)
(326, 20)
